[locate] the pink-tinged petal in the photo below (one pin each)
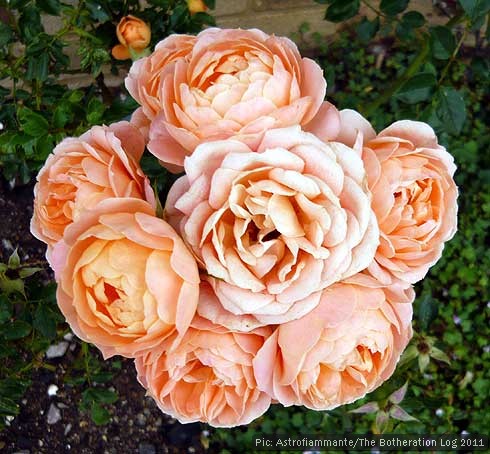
(314, 85)
(142, 123)
(162, 145)
(351, 123)
(326, 123)
(132, 141)
(210, 308)
(417, 132)
(264, 363)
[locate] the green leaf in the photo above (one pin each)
(99, 414)
(367, 29)
(474, 9)
(5, 34)
(5, 309)
(16, 330)
(370, 407)
(104, 396)
(98, 11)
(28, 271)
(417, 89)
(45, 321)
(424, 360)
(443, 42)
(340, 10)
(32, 123)
(439, 355)
(14, 260)
(399, 413)
(408, 355)
(95, 111)
(30, 22)
(9, 286)
(428, 309)
(8, 407)
(102, 377)
(38, 67)
(393, 7)
(52, 7)
(451, 109)
(381, 422)
(413, 19)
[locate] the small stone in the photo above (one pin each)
(24, 401)
(158, 422)
(52, 390)
(72, 347)
(141, 420)
(68, 337)
(57, 350)
(61, 405)
(54, 414)
(146, 448)
(191, 449)
(67, 429)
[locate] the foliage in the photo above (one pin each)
(446, 364)
(37, 110)
(423, 72)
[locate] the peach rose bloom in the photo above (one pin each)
(126, 281)
(81, 172)
(207, 377)
(132, 33)
(347, 346)
(227, 83)
(414, 198)
(273, 226)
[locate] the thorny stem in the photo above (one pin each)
(415, 65)
(453, 57)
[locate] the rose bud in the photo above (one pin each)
(196, 6)
(134, 36)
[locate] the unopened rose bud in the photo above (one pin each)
(134, 36)
(196, 6)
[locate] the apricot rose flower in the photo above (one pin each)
(414, 197)
(227, 83)
(81, 172)
(274, 226)
(345, 347)
(126, 281)
(207, 377)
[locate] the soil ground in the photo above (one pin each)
(136, 426)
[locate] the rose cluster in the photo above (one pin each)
(282, 268)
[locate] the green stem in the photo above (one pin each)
(85, 353)
(372, 8)
(409, 72)
(415, 65)
(453, 57)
